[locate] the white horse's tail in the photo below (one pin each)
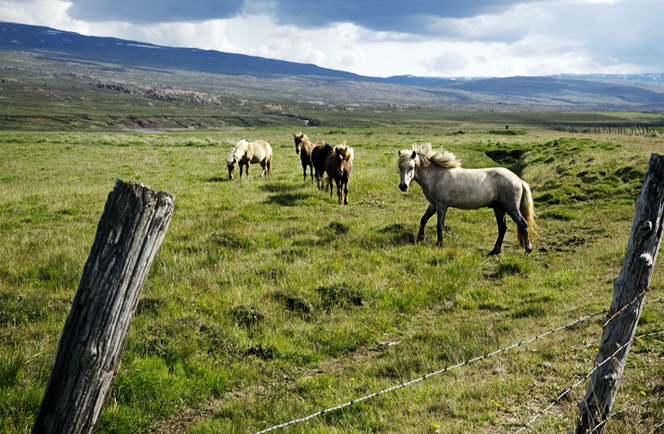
(527, 210)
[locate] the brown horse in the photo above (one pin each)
(245, 153)
(319, 156)
(304, 147)
(338, 166)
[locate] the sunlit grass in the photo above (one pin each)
(268, 301)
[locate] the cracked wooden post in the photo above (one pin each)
(633, 279)
(130, 231)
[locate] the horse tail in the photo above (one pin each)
(269, 165)
(527, 210)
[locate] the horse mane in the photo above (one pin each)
(345, 151)
(238, 152)
(443, 159)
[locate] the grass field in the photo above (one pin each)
(268, 301)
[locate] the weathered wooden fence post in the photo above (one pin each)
(633, 280)
(130, 231)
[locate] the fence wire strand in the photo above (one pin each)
(458, 365)
(569, 389)
(615, 413)
(659, 425)
(565, 360)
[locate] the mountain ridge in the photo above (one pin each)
(594, 91)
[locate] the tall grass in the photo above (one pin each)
(268, 301)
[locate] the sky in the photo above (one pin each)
(382, 38)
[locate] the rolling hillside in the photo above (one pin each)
(131, 64)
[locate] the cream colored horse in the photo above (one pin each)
(246, 153)
(445, 184)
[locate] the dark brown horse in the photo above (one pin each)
(304, 147)
(319, 156)
(338, 166)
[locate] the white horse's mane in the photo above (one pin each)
(443, 159)
(238, 151)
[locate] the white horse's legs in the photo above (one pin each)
(425, 218)
(442, 210)
(502, 228)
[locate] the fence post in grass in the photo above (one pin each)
(632, 281)
(132, 226)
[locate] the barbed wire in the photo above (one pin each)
(441, 371)
(615, 413)
(659, 425)
(569, 389)
(565, 360)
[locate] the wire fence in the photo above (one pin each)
(486, 356)
(616, 413)
(566, 359)
(658, 425)
(569, 389)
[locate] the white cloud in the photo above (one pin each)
(52, 13)
(356, 57)
(540, 38)
(447, 63)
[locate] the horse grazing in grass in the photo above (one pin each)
(445, 184)
(304, 147)
(246, 153)
(338, 165)
(319, 156)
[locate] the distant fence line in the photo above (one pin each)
(637, 130)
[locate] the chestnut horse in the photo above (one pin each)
(245, 153)
(445, 184)
(304, 147)
(338, 165)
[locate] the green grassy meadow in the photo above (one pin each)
(268, 301)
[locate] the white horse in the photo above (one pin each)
(445, 184)
(245, 153)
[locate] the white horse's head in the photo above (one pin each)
(407, 167)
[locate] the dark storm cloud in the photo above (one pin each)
(386, 15)
(154, 11)
(378, 15)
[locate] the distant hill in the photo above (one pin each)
(37, 39)
(277, 79)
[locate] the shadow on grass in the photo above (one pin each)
(218, 179)
(287, 194)
(279, 187)
(290, 199)
(398, 234)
